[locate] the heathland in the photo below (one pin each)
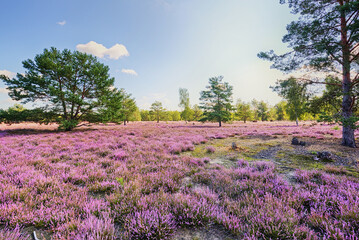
(178, 181)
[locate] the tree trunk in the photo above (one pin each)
(124, 122)
(220, 123)
(296, 119)
(348, 138)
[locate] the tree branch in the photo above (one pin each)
(310, 81)
(353, 102)
(355, 80)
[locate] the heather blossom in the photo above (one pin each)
(132, 182)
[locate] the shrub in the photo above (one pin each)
(210, 149)
(149, 224)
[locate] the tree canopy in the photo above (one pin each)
(262, 111)
(184, 103)
(217, 101)
(128, 107)
(157, 109)
(296, 94)
(243, 111)
(330, 101)
(71, 84)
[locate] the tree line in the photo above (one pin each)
(216, 106)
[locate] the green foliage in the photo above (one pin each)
(145, 115)
(254, 105)
(216, 101)
(18, 113)
(157, 110)
(243, 111)
(68, 124)
(351, 122)
(136, 116)
(272, 113)
(261, 110)
(296, 94)
(316, 36)
(73, 84)
(128, 107)
(184, 103)
(14, 114)
(280, 109)
(175, 115)
(196, 113)
(164, 115)
(328, 106)
(112, 106)
(184, 98)
(331, 99)
(120, 181)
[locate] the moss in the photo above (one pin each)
(340, 154)
(198, 152)
(77, 164)
(192, 172)
(55, 160)
(223, 161)
(255, 150)
(335, 170)
(352, 172)
(293, 156)
(297, 161)
(103, 153)
(268, 144)
(280, 154)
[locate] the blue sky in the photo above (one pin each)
(153, 47)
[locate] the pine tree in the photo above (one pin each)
(73, 84)
(217, 101)
(325, 38)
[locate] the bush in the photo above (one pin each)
(210, 149)
(68, 125)
(150, 224)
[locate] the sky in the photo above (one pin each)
(153, 47)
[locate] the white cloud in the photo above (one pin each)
(7, 73)
(62, 23)
(129, 71)
(115, 52)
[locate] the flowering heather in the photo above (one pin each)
(14, 233)
(210, 149)
(131, 182)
